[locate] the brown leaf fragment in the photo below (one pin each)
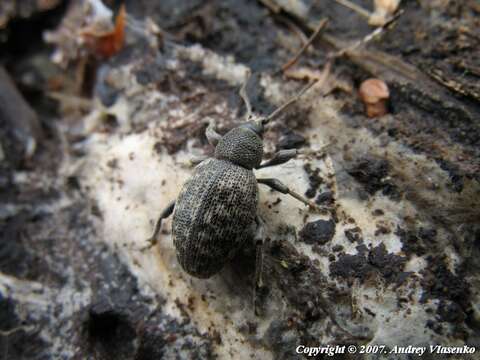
(107, 43)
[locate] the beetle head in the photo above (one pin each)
(242, 145)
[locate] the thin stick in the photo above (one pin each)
(312, 38)
(244, 96)
(367, 38)
(294, 28)
(275, 8)
(325, 73)
(290, 101)
(320, 82)
(352, 6)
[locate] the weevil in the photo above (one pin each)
(216, 210)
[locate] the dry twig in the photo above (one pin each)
(275, 8)
(294, 28)
(343, 51)
(312, 38)
(352, 6)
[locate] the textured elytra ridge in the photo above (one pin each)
(212, 216)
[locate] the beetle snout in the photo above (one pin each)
(255, 125)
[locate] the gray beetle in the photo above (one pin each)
(216, 210)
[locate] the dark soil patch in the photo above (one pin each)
(372, 174)
(354, 235)
(314, 180)
(368, 262)
(318, 232)
(454, 294)
(416, 242)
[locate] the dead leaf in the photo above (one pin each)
(107, 43)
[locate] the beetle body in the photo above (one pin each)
(215, 212)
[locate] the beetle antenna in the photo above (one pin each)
(244, 96)
(289, 102)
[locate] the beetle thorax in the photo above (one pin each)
(241, 146)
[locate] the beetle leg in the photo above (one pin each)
(276, 184)
(194, 161)
(152, 240)
(259, 239)
(212, 136)
(280, 157)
